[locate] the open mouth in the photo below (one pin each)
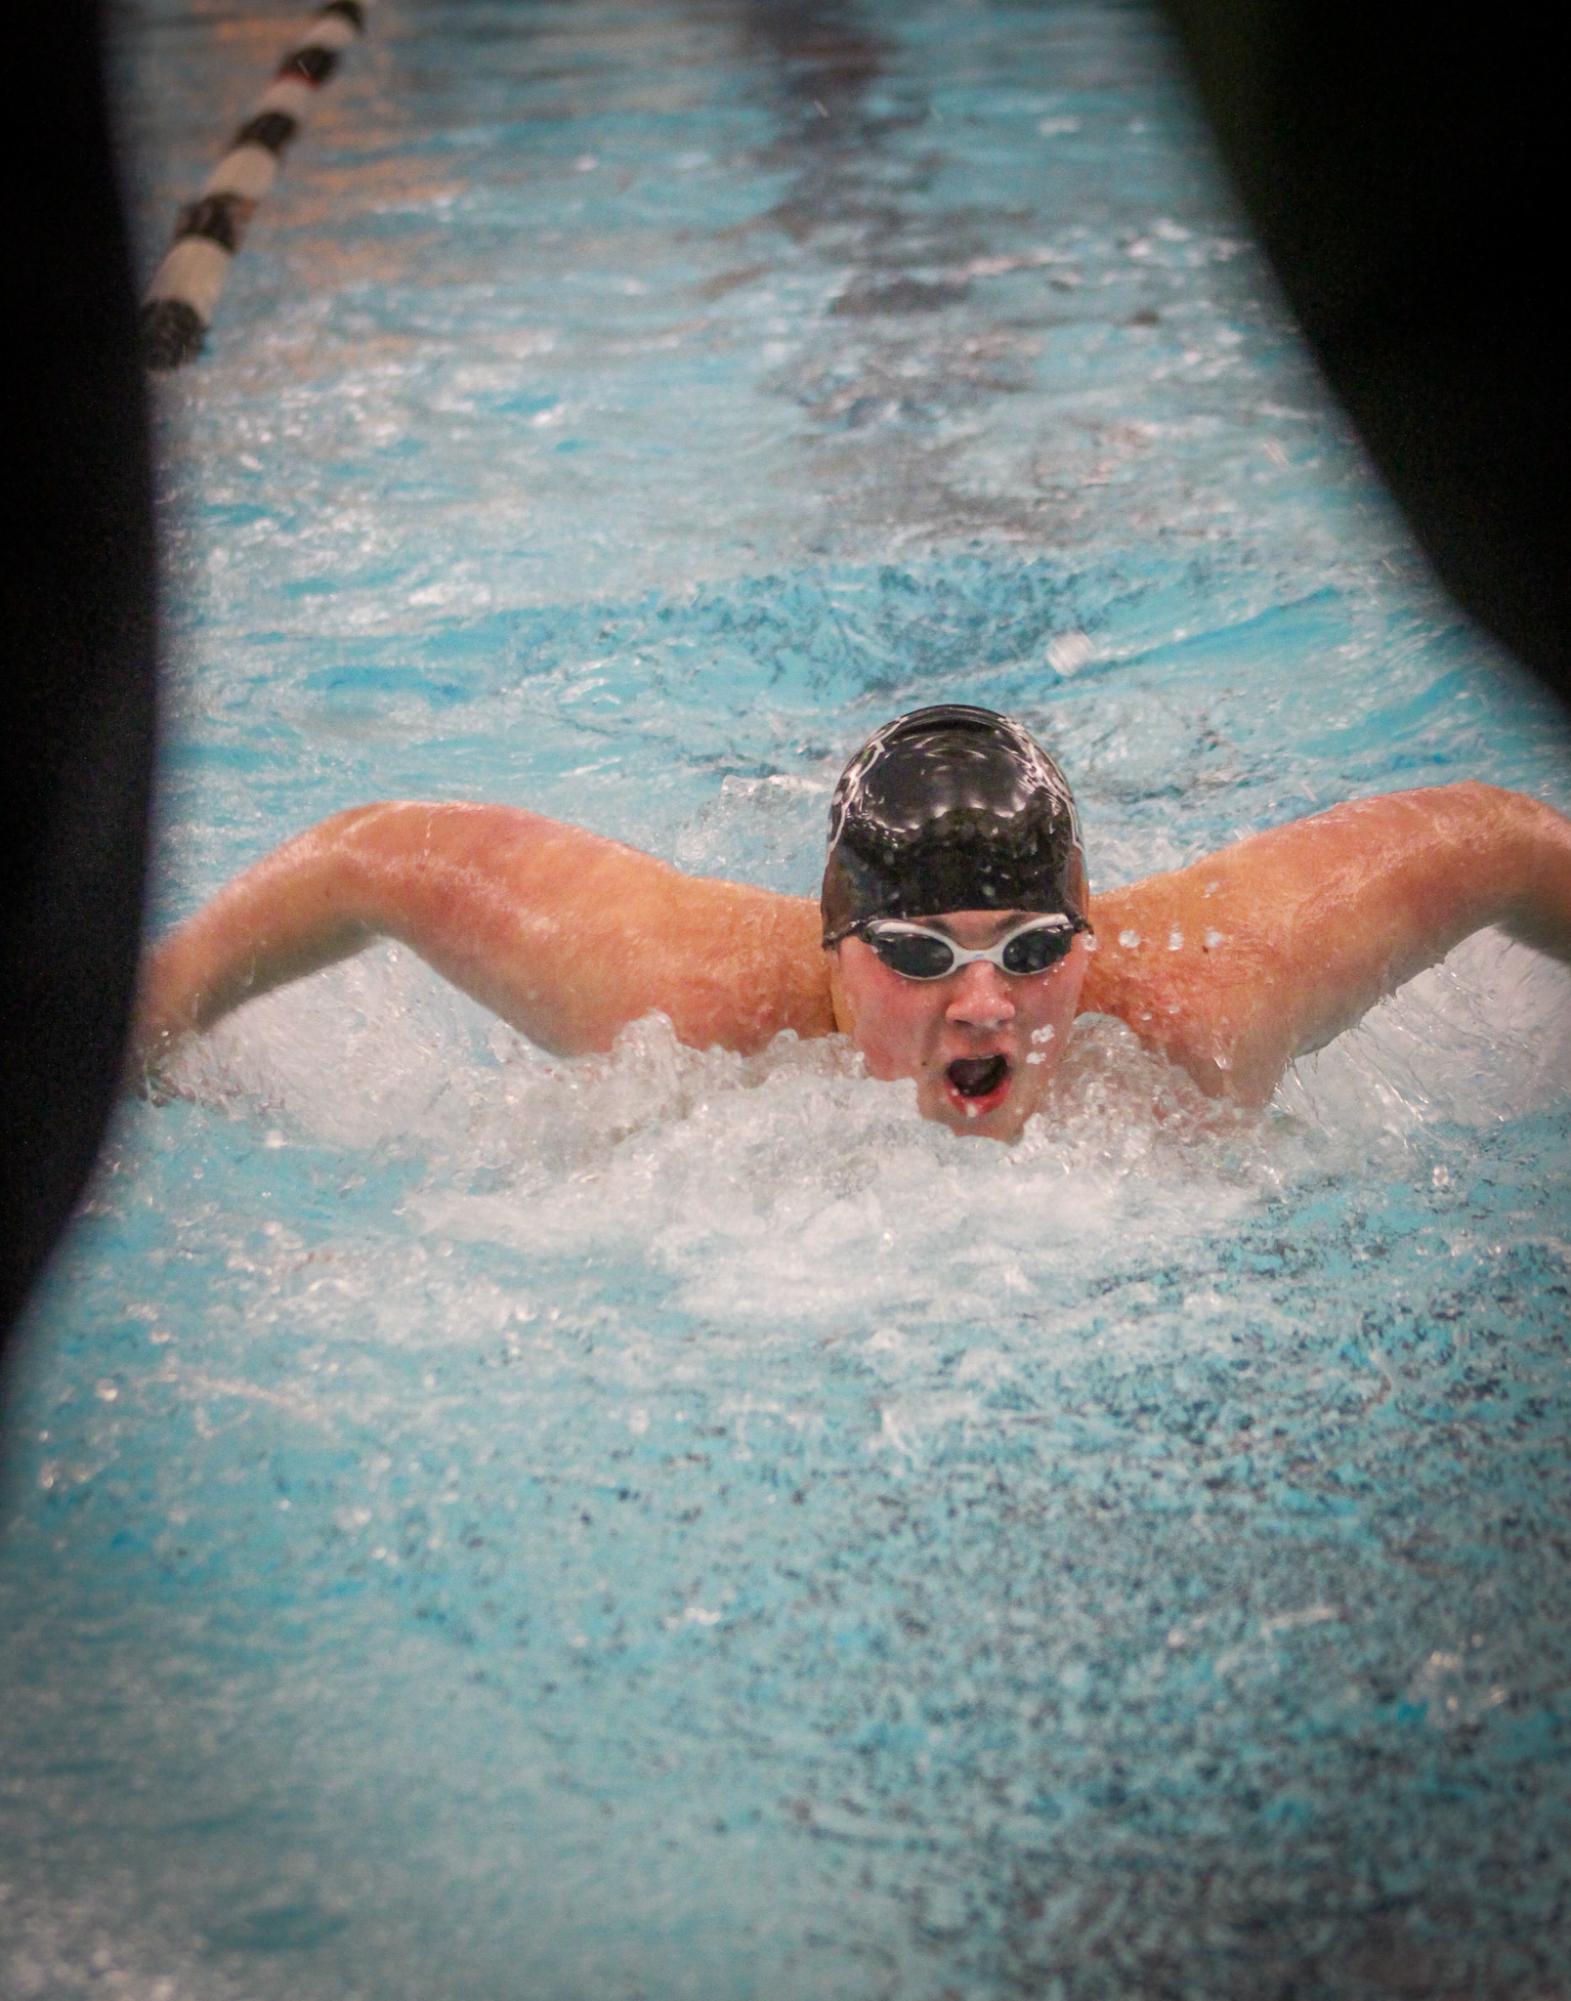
(978, 1082)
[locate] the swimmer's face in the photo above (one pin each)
(981, 1043)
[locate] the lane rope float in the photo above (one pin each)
(179, 304)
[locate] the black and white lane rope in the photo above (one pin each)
(180, 302)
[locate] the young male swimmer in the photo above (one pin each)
(954, 942)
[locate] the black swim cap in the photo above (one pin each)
(951, 808)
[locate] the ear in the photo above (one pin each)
(1080, 886)
(839, 1000)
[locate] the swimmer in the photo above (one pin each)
(954, 942)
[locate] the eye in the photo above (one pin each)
(1038, 947)
(912, 953)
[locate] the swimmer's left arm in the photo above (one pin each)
(1289, 937)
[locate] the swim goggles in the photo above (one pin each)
(916, 953)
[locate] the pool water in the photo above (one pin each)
(674, 1524)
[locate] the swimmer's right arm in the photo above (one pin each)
(300, 908)
(566, 935)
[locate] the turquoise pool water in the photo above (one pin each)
(671, 1525)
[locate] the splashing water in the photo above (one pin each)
(482, 1525)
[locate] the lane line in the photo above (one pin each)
(179, 304)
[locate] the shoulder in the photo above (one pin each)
(1186, 966)
(1219, 964)
(571, 935)
(1270, 947)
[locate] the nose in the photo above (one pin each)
(981, 998)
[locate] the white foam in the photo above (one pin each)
(1482, 1038)
(791, 1190)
